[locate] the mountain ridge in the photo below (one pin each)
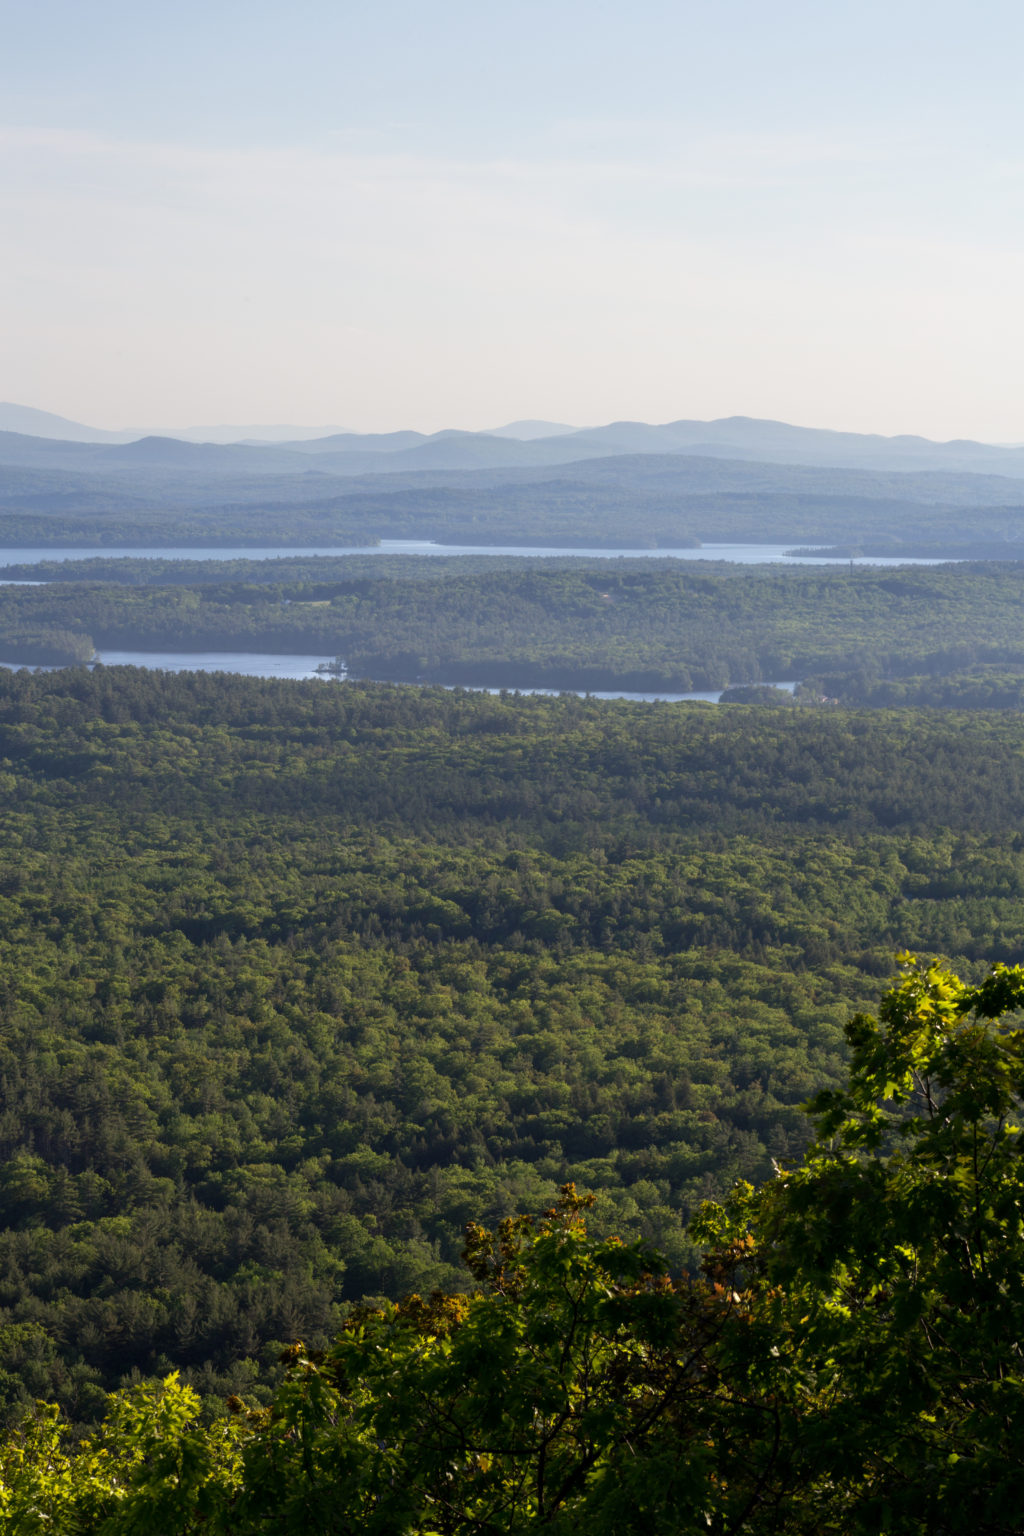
(521, 444)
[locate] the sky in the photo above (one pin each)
(398, 214)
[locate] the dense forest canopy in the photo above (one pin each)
(299, 978)
(847, 1361)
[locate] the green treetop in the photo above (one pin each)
(848, 1361)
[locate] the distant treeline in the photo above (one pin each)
(628, 501)
(977, 687)
(637, 625)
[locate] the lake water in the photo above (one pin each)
(268, 664)
(643, 698)
(742, 554)
(248, 663)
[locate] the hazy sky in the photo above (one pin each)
(394, 214)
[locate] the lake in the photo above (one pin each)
(248, 663)
(268, 664)
(742, 554)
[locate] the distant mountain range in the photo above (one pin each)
(519, 445)
(29, 421)
(626, 484)
(34, 423)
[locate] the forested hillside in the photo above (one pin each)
(846, 1361)
(637, 625)
(159, 492)
(299, 978)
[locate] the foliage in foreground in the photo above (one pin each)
(849, 1360)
